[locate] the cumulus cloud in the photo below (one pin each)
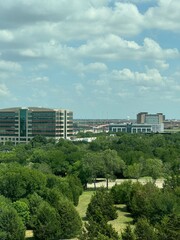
(150, 77)
(53, 42)
(165, 16)
(113, 47)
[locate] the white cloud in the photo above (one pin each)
(138, 1)
(58, 41)
(40, 66)
(123, 75)
(4, 91)
(150, 77)
(91, 67)
(79, 88)
(165, 16)
(6, 36)
(123, 94)
(161, 64)
(40, 79)
(113, 47)
(30, 53)
(152, 49)
(9, 66)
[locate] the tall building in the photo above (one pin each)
(22, 124)
(145, 117)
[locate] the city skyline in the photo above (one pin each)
(101, 59)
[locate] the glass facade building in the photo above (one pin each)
(136, 128)
(22, 124)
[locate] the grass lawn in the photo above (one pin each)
(123, 218)
(119, 224)
(83, 203)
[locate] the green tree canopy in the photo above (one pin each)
(11, 224)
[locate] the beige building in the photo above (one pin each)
(145, 117)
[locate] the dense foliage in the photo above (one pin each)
(40, 183)
(100, 210)
(36, 199)
(155, 211)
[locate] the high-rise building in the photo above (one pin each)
(22, 124)
(145, 117)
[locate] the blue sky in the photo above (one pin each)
(98, 58)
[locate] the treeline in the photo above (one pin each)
(40, 182)
(123, 156)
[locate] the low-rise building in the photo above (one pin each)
(136, 128)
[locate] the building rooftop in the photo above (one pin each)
(31, 108)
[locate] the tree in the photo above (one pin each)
(99, 231)
(92, 166)
(22, 210)
(153, 168)
(69, 220)
(133, 171)
(141, 204)
(38, 141)
(112, 164)
(122, 193)
(11, 225)
(75, 187)
(128, 234)
(145, 231)
(172, 182)
(47, 226)
(152, 203)
(169, 228)
(66, 186)
(101, 207)
(34, 202)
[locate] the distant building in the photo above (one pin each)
(136, 128)
(145, 117)
(22, 124)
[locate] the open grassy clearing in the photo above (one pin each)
(119, 224)
(83, 203)
(143, 180)
(123, 218)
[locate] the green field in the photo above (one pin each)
(83, 203)
(119, 224)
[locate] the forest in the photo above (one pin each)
(41, 182)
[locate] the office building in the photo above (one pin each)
(136, 128)
(22, 124)
(145, 117)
